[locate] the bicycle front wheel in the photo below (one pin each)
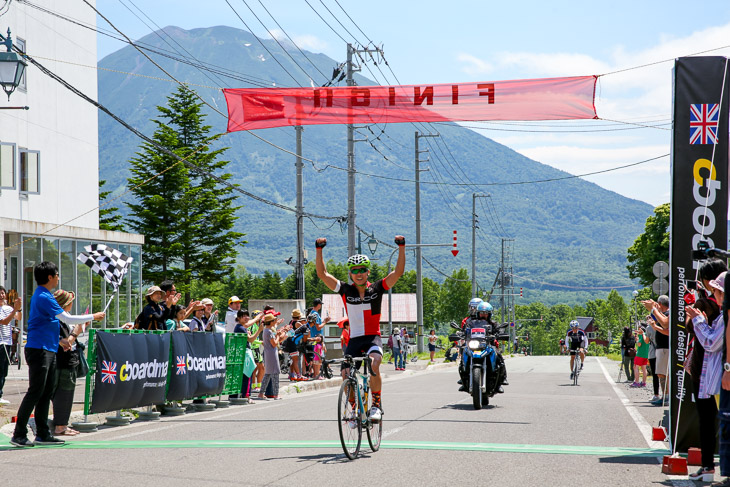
(348, 419)
(576, 369)
(374, 430)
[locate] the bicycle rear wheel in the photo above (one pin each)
(348, 418)
(373, 430)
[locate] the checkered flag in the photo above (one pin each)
(109, 263)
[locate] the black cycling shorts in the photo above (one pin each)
(362, 346)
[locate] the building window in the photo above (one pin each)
(30, 168)
(20, 44)
(591, 335)
(7, 166)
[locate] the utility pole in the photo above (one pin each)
(419, 263)
(351, 228)
(300, 216)
(474, 197)
(501, 298)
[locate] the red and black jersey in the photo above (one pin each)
(363, 313)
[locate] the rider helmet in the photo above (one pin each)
(484, 307)
(358, 260)
(474, 303)
(574, 324)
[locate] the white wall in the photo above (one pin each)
(61, 125)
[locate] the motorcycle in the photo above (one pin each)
(480, 354)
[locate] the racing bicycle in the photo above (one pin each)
(576, 366)
(354, 403)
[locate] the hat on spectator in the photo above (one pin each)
(64, 298)
(270, 310)
(719, 282)
(268, 318)
(206, 301)
(234, 299)
(396, 331)
(296, 314)
(152, 290)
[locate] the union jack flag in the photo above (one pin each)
(180, 366)
(703, 120)
(108, 372)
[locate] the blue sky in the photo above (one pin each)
(439, 42)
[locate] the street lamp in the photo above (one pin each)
(372, 244)
(12, 67)
(635, 293)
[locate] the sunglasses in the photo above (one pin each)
(359, 270)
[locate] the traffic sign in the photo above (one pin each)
(512, 324)
(660, 286)
(660, 269)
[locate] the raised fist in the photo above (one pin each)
(400, 240)
(321, 243)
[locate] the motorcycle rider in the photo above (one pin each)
(577, 342)
(466, 323)
(483, 320)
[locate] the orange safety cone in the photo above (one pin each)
(694, 456)
(674, 465)
(14, 419)
(658, 433)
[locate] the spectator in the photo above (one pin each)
(234, 305)
(318, 325)
(256, 348)
(40, 355)
(169, 299)
(243, 325)
(660, 323)
(642, 357)
(154, 314)
(651, 333)
(432, 339)
(67, 357)
(628, 352)
(706, 370)
(290, 346)
(271, 339)
(196, 322)
(345, 335)
(397, 342)
(12, 297)
(404, 347)
(316, 344)
(8, 316)
(210, 317)
(177, 324)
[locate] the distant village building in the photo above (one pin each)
(49, 165)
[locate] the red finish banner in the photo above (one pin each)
(531, 99)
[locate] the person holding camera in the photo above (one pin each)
(628, 352)
(641, 360)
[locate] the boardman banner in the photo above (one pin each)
(199, 361)
(532, 99)
(699, 203)
(131, 370)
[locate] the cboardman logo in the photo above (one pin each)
(143, 371)
(211, 363)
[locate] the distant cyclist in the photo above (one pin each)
(362, 301)
(577, 342)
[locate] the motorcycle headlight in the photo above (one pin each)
(475, 344)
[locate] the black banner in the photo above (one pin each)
(198, 365)
(131, 370)
(699, 199)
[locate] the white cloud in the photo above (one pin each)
(473, 65)
(311, 43)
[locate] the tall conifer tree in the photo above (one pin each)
(187, 217)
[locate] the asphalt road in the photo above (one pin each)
(542, 431)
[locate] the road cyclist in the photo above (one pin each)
(577, 342)
(362, 300)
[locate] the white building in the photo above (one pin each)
(49, 164)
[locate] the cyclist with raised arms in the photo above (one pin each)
(576, 341)
(362, 301)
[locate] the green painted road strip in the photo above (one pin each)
(602, 451)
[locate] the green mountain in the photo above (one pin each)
(568, 232)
